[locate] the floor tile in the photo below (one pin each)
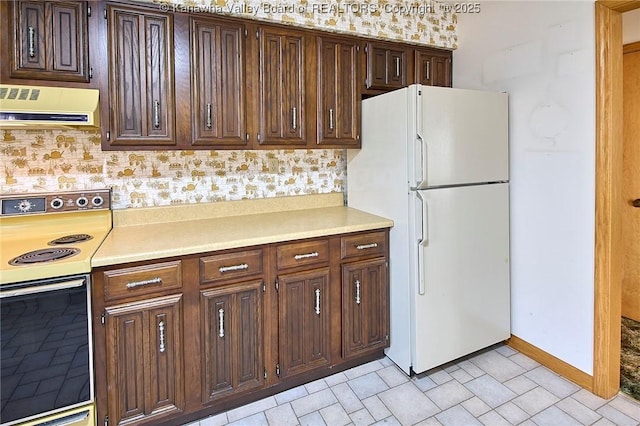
(493, 419)
(258, 419)
(476, 406)
(376, 407)
(505, 350)
(512, 413)
(461, 376)
(500, 367)
(334, 415)
(626, 406)
(363, 369)
(367, 385)
(555, 384)
(389, 421)
(392, 376)
(316, 386)
(535, 400)
(471, 368)
(554, 416)
(457, 416)
(448, 394)
(282, 415)
(334, 379)
(362, 417)
(524, 361)
(616, 416)
(291, 394)
(579, 411)
(251, 409)
(313, 402)
(424, 383)
(604, 422)
(520, 384)
(312, 419)
(489, 390)
(431, 421)
(590, 400)
(440, 376)
(408, 404)
(217, 420)
(347, 398)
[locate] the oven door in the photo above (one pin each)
(45, 352)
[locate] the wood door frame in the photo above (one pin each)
(608, 229)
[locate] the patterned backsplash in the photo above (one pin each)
(422, 22)
(64, 160)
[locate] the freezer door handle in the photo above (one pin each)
(423, 244)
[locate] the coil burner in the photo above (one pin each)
(44, 255)
(70, 239)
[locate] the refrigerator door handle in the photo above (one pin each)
(420, 173)
(423, 244)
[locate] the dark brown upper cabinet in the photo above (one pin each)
(386, 66)
(338, 115)
(49, 41)
(141, 83)
(433, 68)
(281, 87)
(218, 83)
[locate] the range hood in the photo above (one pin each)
(23, 107)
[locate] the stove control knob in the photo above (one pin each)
(82, 202)
(57, 203)
(97, 201)
(24, 206)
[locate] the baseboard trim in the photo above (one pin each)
(560, 367)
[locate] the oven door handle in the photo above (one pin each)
(42, 288)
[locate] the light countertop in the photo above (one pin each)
(154, 233)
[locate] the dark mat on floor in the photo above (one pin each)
(630, 358)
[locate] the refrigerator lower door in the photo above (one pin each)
(461, 300)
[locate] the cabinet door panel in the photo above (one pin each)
(218, 83)
(67, 48)
(441, 71)
(364, 306)
(433, 68)
(31, 35)
(281, 82)
(386, 67)
(232, 336)
(304, 319)
(141, 83)
(338, 104)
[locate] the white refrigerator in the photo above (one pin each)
(436, 161)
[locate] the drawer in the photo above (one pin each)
(141, 280)
(305, 253)
(369, 244)
(231, 265)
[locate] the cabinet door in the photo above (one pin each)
(281, 87)
(304, 319)
(365, 303)
(338, 96)
(51, 41)
(232, 335)
(141, 82)
(144, 359)
(433, 69)
(386, 67)
(217, 89)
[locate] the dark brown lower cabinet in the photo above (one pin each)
(304, 319)
(144, 360)
(232, 335)
(365, 295)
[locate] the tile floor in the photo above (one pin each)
(496, 387)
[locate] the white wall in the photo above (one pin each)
(631, 26)
(543, 55)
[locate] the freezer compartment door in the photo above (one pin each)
(461, 300)
(462, 137)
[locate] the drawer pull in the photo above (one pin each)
(306, 255)
(231, 268)
(317, 292)
(367, 246)
(134, 284)
(221, 322)
(357, 292)
(161, 330)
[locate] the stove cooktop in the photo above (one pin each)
(51, 235)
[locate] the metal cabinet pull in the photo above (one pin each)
(357, 292)
(397, 66)
(32, 42)
(161, 331)
(221, 322)
(306, 255)
(366, 246)
(209, 117)
(156, 114)
(294, 118)
(330, 118)
(231, 268)
(636, 203)
(317, 292)
(134, 284)
(428, 70)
